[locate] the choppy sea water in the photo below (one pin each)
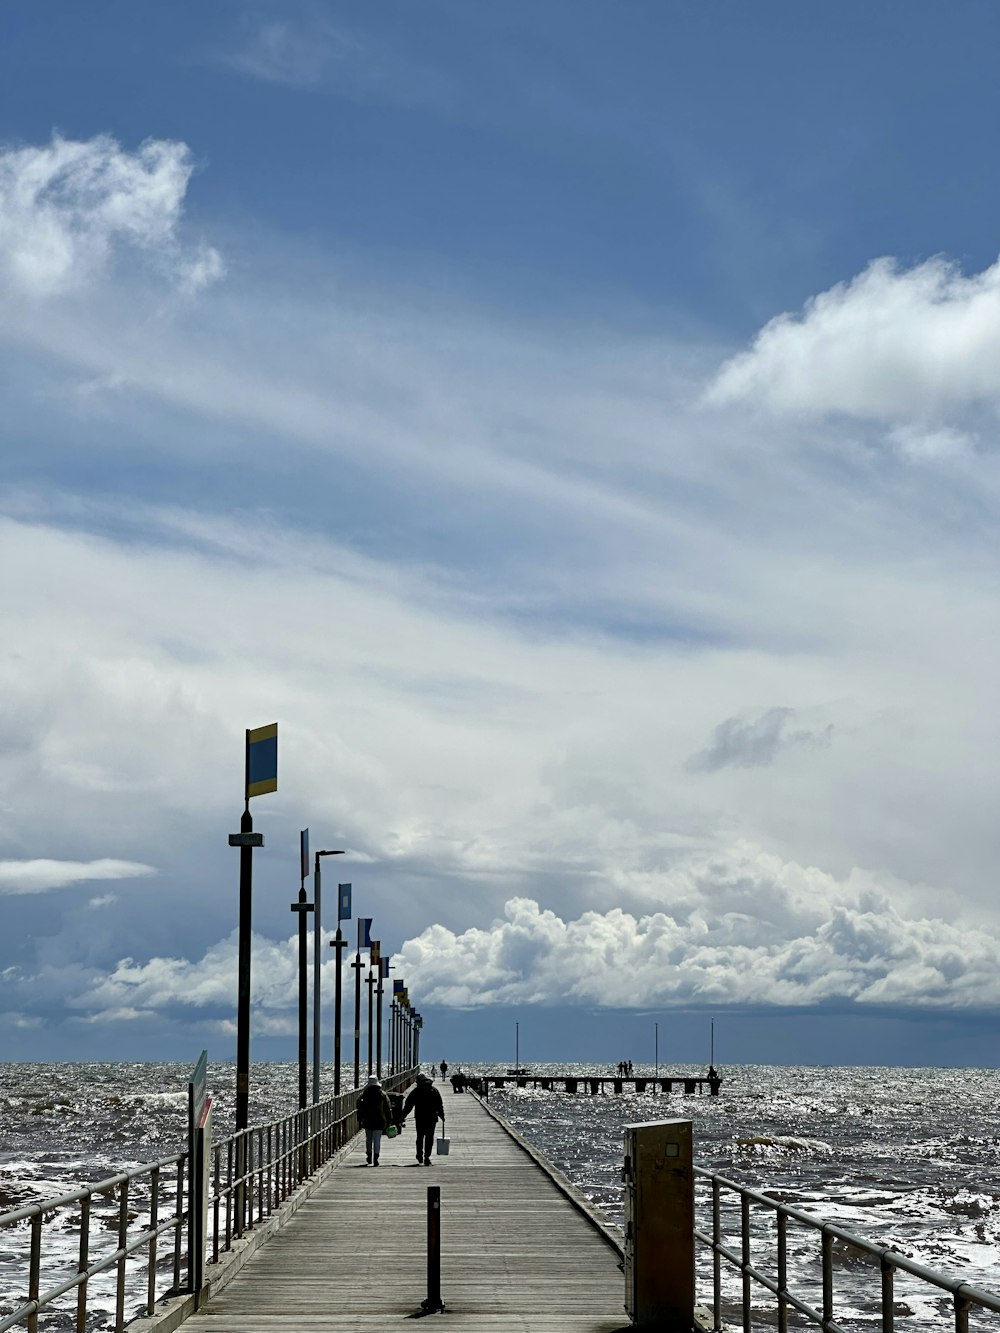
(906, 1157)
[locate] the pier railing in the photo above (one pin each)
(749, 1232)
(133, 1231)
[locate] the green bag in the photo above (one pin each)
(391, 1132)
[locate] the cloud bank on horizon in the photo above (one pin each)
(624, 663)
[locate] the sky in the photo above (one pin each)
(576, 425)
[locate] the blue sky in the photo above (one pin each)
(576, 425)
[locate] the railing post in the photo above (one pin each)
(716, 1256)
(782, 1223)
(745, 1261)
(827, 1248)
(34, 1269)
(82, 1264)
(659, 1225)
(178, 1217)
(888, 1296)
(154, 1217)
(122, 1246)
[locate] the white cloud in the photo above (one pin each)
(67, 207)
(42, 875)
(205, 982)
(736, 928)
(893, 344)
(847, 944)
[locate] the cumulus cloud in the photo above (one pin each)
(742, 928)
(755, 742)
(205, 982)
(892, 344)
(42, 875)
(858, 949)
(65, 209)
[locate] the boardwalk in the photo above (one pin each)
(515, 1254)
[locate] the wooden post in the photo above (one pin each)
(659, 1225)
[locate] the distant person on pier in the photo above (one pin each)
(425, 1102)
(444, 1070)
(374, 1116)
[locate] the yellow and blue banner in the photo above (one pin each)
(375, 952)
(343, 902)
(365, 932)
(262, 760)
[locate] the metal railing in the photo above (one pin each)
(135, 1227)
(117, 1205)
(255, 1170)
(760, 1252)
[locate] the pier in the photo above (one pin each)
(519, 1247)
(597, 1083)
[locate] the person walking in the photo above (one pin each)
(425, 1102)
(443, 1066)
(374, 1116)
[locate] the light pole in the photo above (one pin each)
(317, 1006)
(260, 777)
(364, 941)
(339, 944)
(383, 972)
(370, 983)
(303, 908)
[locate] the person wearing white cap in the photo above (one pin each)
(374, 1116)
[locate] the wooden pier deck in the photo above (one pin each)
(516, 1254)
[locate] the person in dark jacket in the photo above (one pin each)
(374, 1116)
(425, 1102)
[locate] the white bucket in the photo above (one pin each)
(443, 1145)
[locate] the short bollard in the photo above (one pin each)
(433, 1303)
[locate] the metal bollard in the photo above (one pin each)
(433, 1303)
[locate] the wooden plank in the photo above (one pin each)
(515, 1253)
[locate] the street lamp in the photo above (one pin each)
(317, 1007)
(302, 908)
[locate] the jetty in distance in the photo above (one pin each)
(594, 1084)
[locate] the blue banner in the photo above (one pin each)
(365, 932)
(304, 854)
(262, 760)
(343, 902)
(397, 986)
(384, 965)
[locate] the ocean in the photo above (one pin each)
(906, 1157)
